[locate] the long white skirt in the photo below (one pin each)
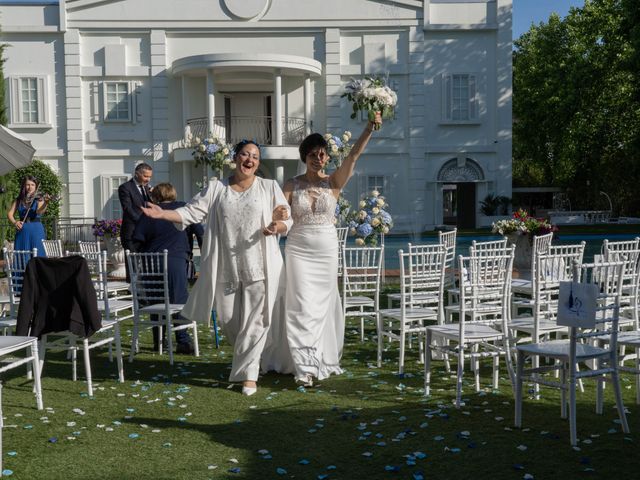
(314, 323)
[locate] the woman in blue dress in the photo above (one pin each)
(29, 206)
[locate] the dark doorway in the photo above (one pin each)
(459, 204)
(466, 205)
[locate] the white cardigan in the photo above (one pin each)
(205, 204)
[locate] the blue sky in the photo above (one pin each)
(526, 12)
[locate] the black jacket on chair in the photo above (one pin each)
(58, 295)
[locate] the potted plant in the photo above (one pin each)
(109, 231)
(520, 229)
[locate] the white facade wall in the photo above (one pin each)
(79, 46)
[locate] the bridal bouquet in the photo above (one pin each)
(371, 95)
(372, 220)
(212, 152)
(339, 147)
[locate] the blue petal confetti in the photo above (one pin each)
(7, 473)
(392, 468)
(12, 453)
(234, 470)
(281, 471)
(304, 461)
(133, 435)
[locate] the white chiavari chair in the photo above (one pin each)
(483, 312)
(422, 276)
(589, 352)
(150, 288)
(361, 283)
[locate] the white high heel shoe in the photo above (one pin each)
(248, 391)
(305, 380)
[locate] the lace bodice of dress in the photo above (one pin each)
(313, 203)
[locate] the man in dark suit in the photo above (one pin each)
(133, 195)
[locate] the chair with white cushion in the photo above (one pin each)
(15, 263)
(151, 305)
(523, 286)
(448, 239)
(483, 312)
(85, 329)
(421, 293)
(361, 283)
(589, 352)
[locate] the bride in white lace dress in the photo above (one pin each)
(313, 329)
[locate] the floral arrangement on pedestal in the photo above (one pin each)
(343, 207)
(107, 228)
(339, 147)
(371, 95)
(212, 152)
(371, 220)
(523, 224)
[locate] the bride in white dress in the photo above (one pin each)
(309, 344)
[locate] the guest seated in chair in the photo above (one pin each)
(158, 235)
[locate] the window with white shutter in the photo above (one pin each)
(460, 98)
(28, 101)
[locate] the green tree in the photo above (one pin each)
(576, 105)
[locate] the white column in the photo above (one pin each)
(186, 181)
(185, 108)
(211, 105)
(280, 175)
(278, 107)
(307, 104)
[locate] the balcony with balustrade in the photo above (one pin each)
(260, 129)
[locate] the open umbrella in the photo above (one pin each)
(15, 151)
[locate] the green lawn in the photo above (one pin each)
(184, 422)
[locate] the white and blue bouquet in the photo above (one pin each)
(212, 152)
(342, 211)
(339, 147)
(371, 220)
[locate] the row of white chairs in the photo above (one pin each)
(485, 327)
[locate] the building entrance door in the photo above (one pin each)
(466, 205)
(459, 204)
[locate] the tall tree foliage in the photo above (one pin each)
(577, 104)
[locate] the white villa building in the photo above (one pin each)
(102, 85)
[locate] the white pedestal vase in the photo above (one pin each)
(115, 254)
(523, 253)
